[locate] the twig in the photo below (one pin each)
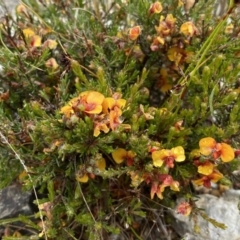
(162, 226)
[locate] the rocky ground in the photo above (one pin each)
(7, 5)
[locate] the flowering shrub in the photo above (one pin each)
(113, 109)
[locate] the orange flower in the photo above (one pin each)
(188, 29)
(168, 156)
(134, 32)
(89, 102)
(215, 176)
(111, 103)
(119, 155)
(184, 208)
(208, 146)
(156, 7)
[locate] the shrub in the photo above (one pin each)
(114, 111)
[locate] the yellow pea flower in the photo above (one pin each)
(168, 156)
(209, 146)
(119, 155)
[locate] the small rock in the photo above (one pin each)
(13, 201)
(223, 209)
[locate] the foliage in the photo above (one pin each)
(115, 110)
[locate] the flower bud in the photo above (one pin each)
(51, 44)
(21, 9)
(134, 32)
(155, 8)
(237, 153)
(51, 63)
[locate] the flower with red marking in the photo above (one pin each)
(158, 186)
(209, 147)
(205, 181)
(205, 168)
(89, 102)
(166, 25)
(111, 103)
(35, 41)
(100, 126)
(167, 157)
(119, 155)
(134, 33)
(158, 189)
(167, 181)
(32, 39)
(188, 29)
